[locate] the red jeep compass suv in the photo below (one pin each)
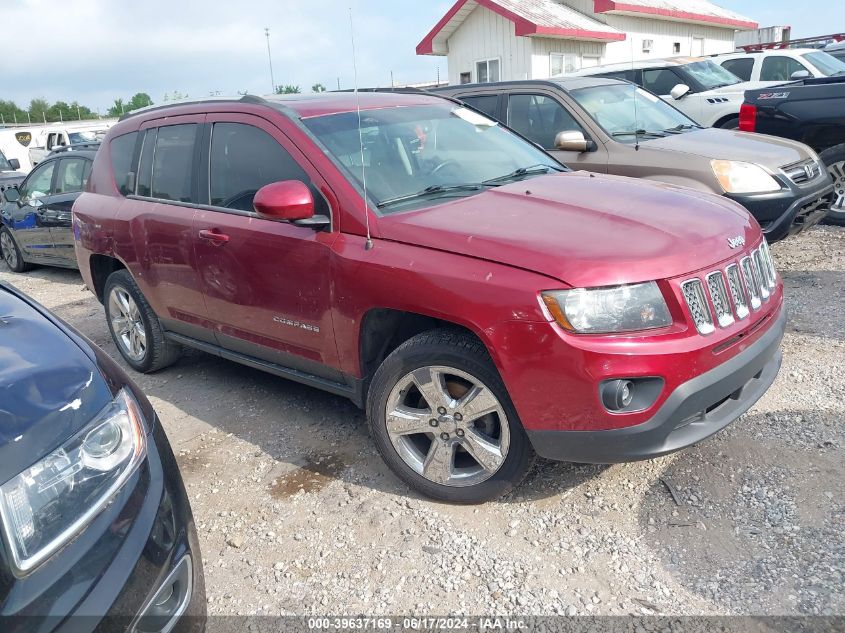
(479, 299)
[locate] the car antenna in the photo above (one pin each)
(636, 111)
(369, 243)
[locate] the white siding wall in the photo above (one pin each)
(545, 46)
(486, 35)
(664, 34)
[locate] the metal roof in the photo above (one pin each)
(545, 18)
(697, 11)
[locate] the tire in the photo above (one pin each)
(465, 377)
(730, 124)
(11, 253)
(834, 160)
(134, 327)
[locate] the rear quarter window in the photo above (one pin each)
(122, 151)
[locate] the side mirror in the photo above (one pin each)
(12, 194)
(14, 163)
(800, 74)
(571, 141)
(289, 200)
(680, 91)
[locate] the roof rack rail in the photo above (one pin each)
(400, 90)
(770, 46)
(74, 148)
(242, 99)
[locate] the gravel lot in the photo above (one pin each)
(298, 515)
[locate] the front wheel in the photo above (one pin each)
(11, 253)
(834, 160)
(443, 422)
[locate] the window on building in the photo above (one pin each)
(780, 68)
(539, 118)
(244, 159)
(676, 48)
(487, 71)
(488, 104)
(173, 163)
(741, 67)
(122, 151)
(563, 63)
(660, 81)
(590, 61)
(466, 78)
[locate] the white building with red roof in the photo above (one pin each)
(492, 40)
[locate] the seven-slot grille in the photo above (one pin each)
(731, 292)
(803, 172)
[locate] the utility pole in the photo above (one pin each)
(338, 83)
(270, 59)
(392, 84)
(78, 114)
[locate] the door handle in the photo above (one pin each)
(214, 236)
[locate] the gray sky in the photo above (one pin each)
(93, 51)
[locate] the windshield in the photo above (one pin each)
(4, 164)
(88, 136)
(710, 75)
(827, 64)
(416, 155)
(626, 111)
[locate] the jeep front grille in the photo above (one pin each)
(803, 172)
(721, 297)
(697, 303)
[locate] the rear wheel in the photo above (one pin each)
(834, 160)
(134, 326)
(443, 422)
(730, 124)
(11, 253)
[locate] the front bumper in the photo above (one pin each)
(105, 577)
(694, 411)
(789, 212)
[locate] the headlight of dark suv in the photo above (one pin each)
(49, 503)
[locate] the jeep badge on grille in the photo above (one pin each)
(736, 242)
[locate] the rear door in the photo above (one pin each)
(28, 216)
(71, 175)
(266, 283)
(541, 115)
(161, 216)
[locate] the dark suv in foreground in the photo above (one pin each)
(480, 300)
(96, 531)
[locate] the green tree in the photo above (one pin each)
(10, 112)
(118, 109)
(139, 100)
(318, 88)
(287, 90)
(38, 110)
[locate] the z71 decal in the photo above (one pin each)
(772, 95)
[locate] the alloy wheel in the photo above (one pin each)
(10, 254)
(127, 325)
(837, 172)
(447, 426)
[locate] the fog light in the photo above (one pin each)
(627, 395)
(170, 601)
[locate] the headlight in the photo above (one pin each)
(613, 309)
(738, 177)
(49, 503)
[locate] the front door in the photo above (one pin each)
(266, 283)
(541, 117)
(27, 217)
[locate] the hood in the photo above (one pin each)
(740, 88)
(770, 151)
(583, 229)
(11, 177)
(49, 387)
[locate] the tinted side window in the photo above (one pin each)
(244, 159)
(173, 163)
(122, 151)
(488, 104)
(742, 67)
(779, 68)
(660, 81)
(627, 75)
(39, 182)
(539, 118)
(72, 175)
(145, 166)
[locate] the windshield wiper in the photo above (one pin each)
(680, 128)
(640, 133)
(429, 191)
(541, 168)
